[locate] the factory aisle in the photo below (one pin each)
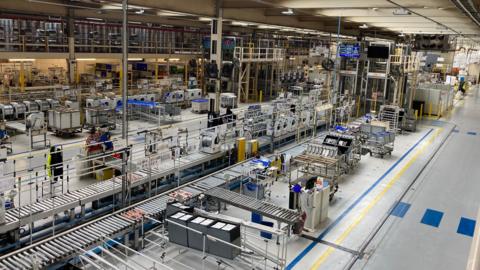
(433, 224)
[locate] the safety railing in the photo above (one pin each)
(256, 54)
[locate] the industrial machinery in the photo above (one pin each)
(210, 140)
(74, 105)
(53, 103)
(336, 156)
(43, 105)
(228, 100)
(175, 96)
(31, 106)
(6, 112)
(192, 94)
(19, 110)
(64, 121)
(36, 127)
(377, 140)
(92, 103)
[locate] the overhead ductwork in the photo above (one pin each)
(469, 8)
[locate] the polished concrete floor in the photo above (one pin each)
(433, 224)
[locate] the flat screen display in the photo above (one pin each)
(378, 52)
(349, 50)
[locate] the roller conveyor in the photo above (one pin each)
(84, 237)
(284, 215)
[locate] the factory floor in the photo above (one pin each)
(413, 210)
(398, 214)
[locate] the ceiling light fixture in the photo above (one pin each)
(86, 59)
(237, 23)
(363, 26)
(374, 9)
(204, 19)
(171, 13)
(140, 11)
(401, 12)
(94, 19)
(287, 12)
(21, 60)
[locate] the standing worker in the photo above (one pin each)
(55, 164)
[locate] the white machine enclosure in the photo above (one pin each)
(150, 97)
(174, 96)
(35, 123)
(107, 103)
(74, 105)
(191, 94)
(228, 100)
(92, 103)
(210, 141)
(53, 103)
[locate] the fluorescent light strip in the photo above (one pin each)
(21, 60)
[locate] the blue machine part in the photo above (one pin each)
(3, 134)
(341, 128)
(264, 161)
(202, 100)
(297, 188)
(150, 104)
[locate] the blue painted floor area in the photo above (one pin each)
(400, 209)
(436, 232)
(466, 226)
(432, 218)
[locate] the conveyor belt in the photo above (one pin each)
(47, 208)
(251, 204)
(65, 245)
(84, 237)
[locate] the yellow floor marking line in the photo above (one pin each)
(377, 198)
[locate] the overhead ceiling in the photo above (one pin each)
(376, 17)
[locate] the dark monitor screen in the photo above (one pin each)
(349, 50)
(378, 52)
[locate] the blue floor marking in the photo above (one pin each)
(400, 209)
(466, 226)
(357, 201)
(471, 133)
(432, 218)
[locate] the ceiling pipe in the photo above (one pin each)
(462, 6)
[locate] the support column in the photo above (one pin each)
(72, 63)
(124, 70)
(216, 50)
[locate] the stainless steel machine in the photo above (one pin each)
(337, 155)
(19, 110)
(210, 140)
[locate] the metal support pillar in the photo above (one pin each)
(72, 65)
(124, 70)
(216, 49)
